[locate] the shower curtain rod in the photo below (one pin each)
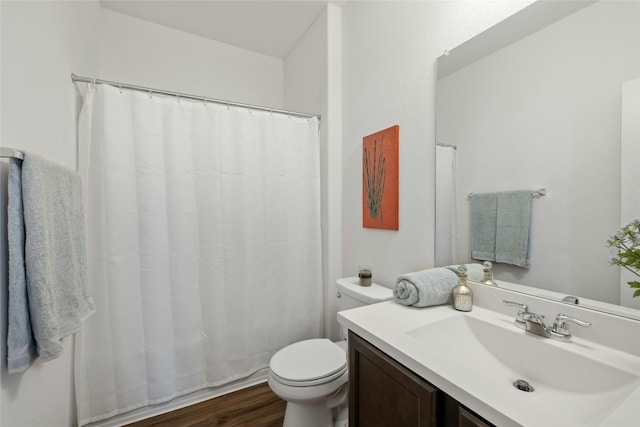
(76, 78)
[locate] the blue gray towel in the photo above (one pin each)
(512, 227)
(57, 298)
(425, 288)
(483, 226)
(500, 224)
(21, 346)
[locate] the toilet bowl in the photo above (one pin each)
(312, 375)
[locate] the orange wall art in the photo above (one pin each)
(380, 179)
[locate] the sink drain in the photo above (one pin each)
(523, 385)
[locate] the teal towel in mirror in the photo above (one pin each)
(483, 226)
(500, 225)
(475, 271)
(513, 223)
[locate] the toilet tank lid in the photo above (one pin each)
(367, 294)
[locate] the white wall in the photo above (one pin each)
(42, 44)
(147, 54)
(546, 112)
(389, 56)
(305, 70)
(313, 71)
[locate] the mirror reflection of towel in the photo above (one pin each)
(483, 226)
(475, 271)
(513, 222)
(500, 225)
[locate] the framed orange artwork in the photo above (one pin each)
(380, 179)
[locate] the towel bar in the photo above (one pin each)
(11, 153)
(534, 193)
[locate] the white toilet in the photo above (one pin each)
(312, 375)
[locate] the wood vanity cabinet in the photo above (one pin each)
(383, 393)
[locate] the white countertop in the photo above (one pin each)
(491, 394)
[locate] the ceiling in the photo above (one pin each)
(268, 27)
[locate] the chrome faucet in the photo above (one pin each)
(522, 309)
(535, 324)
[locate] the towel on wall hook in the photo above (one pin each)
(48, 284)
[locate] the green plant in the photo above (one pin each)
(375, 175)
(627, 243)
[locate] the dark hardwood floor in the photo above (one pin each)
(255, 406)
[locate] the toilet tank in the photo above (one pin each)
(351, 295)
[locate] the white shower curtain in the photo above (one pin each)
(446, 212)
(204, 245)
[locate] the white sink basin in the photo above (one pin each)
(475, 357)
(490, 353)
(523, 355)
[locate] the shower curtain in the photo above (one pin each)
(446, 212)
(204, 245)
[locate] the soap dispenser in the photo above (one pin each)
(488, 274)
(462, 294)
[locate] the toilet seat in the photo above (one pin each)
(309, 362)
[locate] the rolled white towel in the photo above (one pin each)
(425, 288)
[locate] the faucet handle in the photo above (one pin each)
(523, 308)
(560, 325)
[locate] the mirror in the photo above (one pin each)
(536, 103)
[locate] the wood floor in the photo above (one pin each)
(255, 406)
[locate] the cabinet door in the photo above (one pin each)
(384, 393)
(467, 419)
(452, 414)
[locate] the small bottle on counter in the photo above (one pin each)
(462, 294)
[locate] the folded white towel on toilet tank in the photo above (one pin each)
(426, 287)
